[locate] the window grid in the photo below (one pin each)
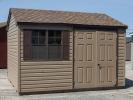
(48, 45)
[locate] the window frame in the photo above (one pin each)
(61, 58)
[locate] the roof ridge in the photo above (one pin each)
(83, 12)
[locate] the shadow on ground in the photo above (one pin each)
(129, 83)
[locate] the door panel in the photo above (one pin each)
(89, 52)
(85, 66)
(106, 54)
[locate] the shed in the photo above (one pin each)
(3, 46)
(128, 48)
(131, 49)
(60, 50)
(128, 51)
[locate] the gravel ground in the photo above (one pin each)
(7, 92)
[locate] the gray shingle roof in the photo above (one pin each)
(65, 17)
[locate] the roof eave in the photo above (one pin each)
(113, 26)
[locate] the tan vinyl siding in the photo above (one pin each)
(13, 53)
(46, 75)
(121, 57)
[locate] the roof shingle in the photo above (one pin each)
(64, 17)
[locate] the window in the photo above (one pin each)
(54, 37)
(39, 48)
(47, 45)
(54, 45)
(38, 37)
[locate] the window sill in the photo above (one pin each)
(34, 63)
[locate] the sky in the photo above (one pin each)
(121, 10)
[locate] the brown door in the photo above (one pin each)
(106, 58)
(85, 59)
(95, 59)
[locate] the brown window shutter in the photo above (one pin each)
(27, 45)
(65, 42)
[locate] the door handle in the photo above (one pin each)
(99, 66)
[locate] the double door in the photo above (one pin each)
(94, 59)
